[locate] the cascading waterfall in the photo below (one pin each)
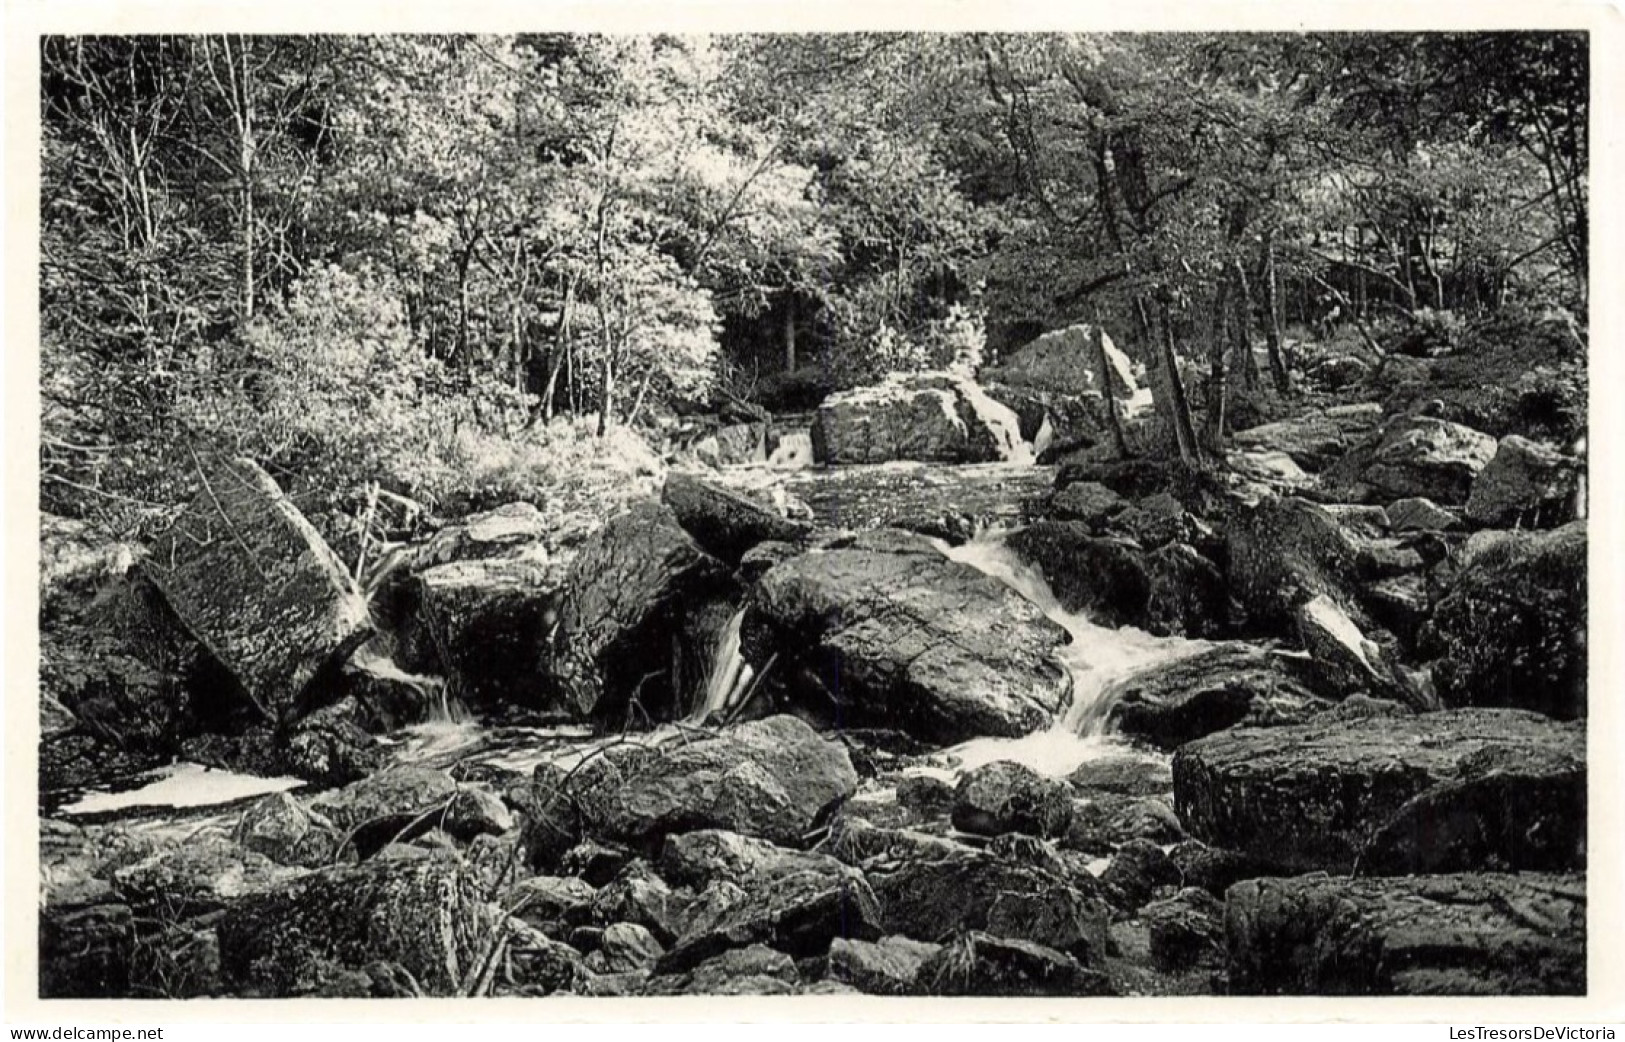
(729, 676)
(793, 451)
(1096, 659)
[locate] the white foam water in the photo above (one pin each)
(1095, 659)
(793, 452)
(728, 676)
(182, 785)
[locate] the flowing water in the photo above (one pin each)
(794, 451)
(1095, 659)
(729, 674)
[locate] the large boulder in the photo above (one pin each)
(911, 641)
(1345, 662)
(1475, 934)
(490, 621)
(931, 898)
(1188, 596)
(510, 530)
(768, 778)
(1183, 699)
(1067, 361)
(929, 417)
(255, 582)
(884, 967)
(800, 913)
(296, 938)
(1511, 629)
(1282, 553)
(1316, 795)
(1315, 440)
(1005, 796)
(628, 592)
(1526, 484)
(724, 522)
(1102, 578)
(703, 856)
(1416, 456)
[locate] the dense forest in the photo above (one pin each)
(436, 265)
(981, 514)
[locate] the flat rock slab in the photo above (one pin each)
(767, 778)
(1315, 795)
(949, 502)
(1473, 934)
(255, 582)
(912, 641)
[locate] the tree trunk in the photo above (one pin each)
(1242, 361)
(1178, 408)
(606, 397)
(1272, 318)
(1217, 377)
(790, 333)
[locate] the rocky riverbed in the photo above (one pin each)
(947, 724)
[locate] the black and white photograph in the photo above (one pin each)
(621, 515)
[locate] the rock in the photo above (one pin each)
(539, 965)
(1526, 484)
(925, 797)
(55, 719)
(1315, 795)
(980, 964)
(257, 585)
(800, 914)
(1122, 773)
(1510, 810)
(928, 417)
(929, 900)
(1401, 605)
(1479, 934)
(769, 778)
(514, 529)
(475, 812)
(952, 503)
(397, 793)
(637, 895)
(1511, 629)
(1345, 661)
(734, 444)
(1135, 872)
(551, 903)
(888, 966)
(1284, 552)
(1005, 797)
(1215, 870)
(1186, 930)
(724, 523)
(913, 641)
(625, 597)
(329, 748)
(1135, 478)
(1313, 441)
(1187, 597)
(1105, 821)
(752, 961)
(1178, 701)
(195, 878)
(700, 857)
(490, 621)
(1087, 502)
(1418, 514)
(764, 557)
(1337, 372)
(288, 940)
(279, 827)
(1417, 456)
(625, 948)
(1104, 579)
(85, 950)
(1066, 360)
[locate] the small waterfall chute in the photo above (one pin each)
(794, 451)
(729, 676)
